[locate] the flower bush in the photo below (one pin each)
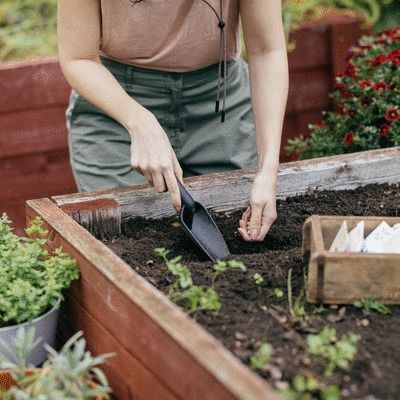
(367, 102)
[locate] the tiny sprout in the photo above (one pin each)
(372, 305)
(261, 357)
(278, 292)
(258, 279)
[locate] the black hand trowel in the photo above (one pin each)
(200, 227)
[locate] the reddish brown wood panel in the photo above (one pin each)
(309, 90)
(128, 377)
(31, 84)
(33, 131)
(35, 176)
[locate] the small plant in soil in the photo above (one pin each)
(31, 279)
(72, 373)
(278, 293)
(258, 279)
(305, 387)
(297, 309)
(183, 290)
(261, 357)
(337, 352)
(372, 305)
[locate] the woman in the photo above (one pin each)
(149, 74)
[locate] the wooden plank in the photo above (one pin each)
(33, 131)
(342, 278)
(230, 190)
(136, 382)
(30, 84)
(157, 332)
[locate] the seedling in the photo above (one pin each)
(278, 293)
(261, 357)
(297, 310)
(258, 279)
(338, 352)
(373, 305)
(194, 297)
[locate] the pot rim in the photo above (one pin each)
(32, 321)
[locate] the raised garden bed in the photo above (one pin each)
(163, 354)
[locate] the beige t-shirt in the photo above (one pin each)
(170, 35)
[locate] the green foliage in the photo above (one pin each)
(27, 28)
(367, 98)
(258, 279)
(308, 388)
(372, 305)
(195, 297)
(337, 352)
(70, 374)
(278, 293)
(296, 310)
(261, 357)
(31, 279)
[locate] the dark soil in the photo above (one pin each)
(252, 314)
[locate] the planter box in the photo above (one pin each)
(163, 354)
(33, 138)
(340, 278)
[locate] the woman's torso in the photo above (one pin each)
(170, 35)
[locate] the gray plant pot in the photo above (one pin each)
(45, 328)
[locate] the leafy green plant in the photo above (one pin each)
(72, 373)
(261, 357)
(27, 28)
(297, 309)
(372, 305)
(278, 293)
(306, 387)
(258, 279)
(337, 352)
(183, 290)
(31, 279)
(367, 99)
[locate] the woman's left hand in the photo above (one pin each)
(258, 218)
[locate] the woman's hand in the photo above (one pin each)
(258, 218)
(152, 156)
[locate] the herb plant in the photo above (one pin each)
(337, 352)
(70, 374)
(367, 101)
(183, 290)
(261, 357)
(31, 279)
(372, 305)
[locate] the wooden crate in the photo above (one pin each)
(162, 353)
(340, 278)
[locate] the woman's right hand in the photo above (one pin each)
(153, 156)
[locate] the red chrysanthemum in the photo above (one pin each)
(364, 84)
(339, 86)
(348, 138)
(379, 60)
(380, 86)
(346, 93)
(384, 130)
(394, 57)
(392, 114)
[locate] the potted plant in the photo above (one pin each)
(367, 98)
(71, 373)
(31, 283)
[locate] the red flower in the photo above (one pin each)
(392, 114)
(350, 70)
(339, 86)
(348, 138)
(379, 60)
(380, 86)
(364, 84)
(385, 128)
(381, 41)
(366, 101)
(394, 57)
(352, 113)
(346, 93)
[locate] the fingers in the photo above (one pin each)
(158, 181)
(177, 168)
(255, 220)
(245, 224)
(173, 189)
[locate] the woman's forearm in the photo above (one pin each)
(96, 84)
(269, 84)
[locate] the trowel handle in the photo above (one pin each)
(186, 198)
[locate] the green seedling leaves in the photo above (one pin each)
(278, 293)
(258, 279)
(261, 357)
(372, 305)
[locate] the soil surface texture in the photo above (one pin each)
(252, 314)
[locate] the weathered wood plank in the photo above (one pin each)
(129, 378)
(230, 190)
(147, 324)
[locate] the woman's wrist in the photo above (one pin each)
(134, 118)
